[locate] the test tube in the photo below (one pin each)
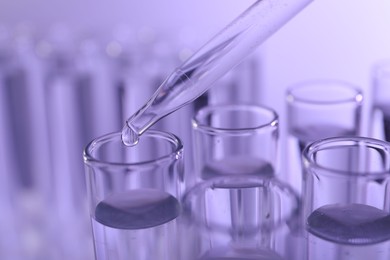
(318, 109)
(213, 60)
(9, 246)
(380, 75)
(346, 198)
(27, 167)
(235, 140)
(5, 45)
(80, 105)
(134, 196)
(263, 226)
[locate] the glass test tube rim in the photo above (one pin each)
(240, 131)
(293, 95)
(90, 159)
(247, 181)
(310, 150)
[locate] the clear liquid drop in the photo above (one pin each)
(129, 136)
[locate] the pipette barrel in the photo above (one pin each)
(224, 51)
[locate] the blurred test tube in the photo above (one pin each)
(80, 106)
(25, 151)
(7, 246)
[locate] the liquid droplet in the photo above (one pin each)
(129, 136)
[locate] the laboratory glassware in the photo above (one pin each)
(134, 194)
(24, 153)
(76, 85)
(380, 122)
(318, 109)
(212, 61)
(234, 140)
(241, 217)
(346, 208)
(9, 246)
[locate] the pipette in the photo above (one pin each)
(225, 50)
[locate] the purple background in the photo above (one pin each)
(329, 39)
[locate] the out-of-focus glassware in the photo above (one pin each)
(5, 44)
(80, 105)
(240, 217)
(8, 245)
(234, 140)
(346, 198)
(315, 110)
(380, 120)
(24, 164)
(134, 196)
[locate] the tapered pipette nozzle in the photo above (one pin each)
(129, 136)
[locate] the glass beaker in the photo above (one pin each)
(346, 196)
(241, 217)
(235, 140)
(315, 110)
(134, 194)
(381, 100)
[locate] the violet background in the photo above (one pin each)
(329, 39)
